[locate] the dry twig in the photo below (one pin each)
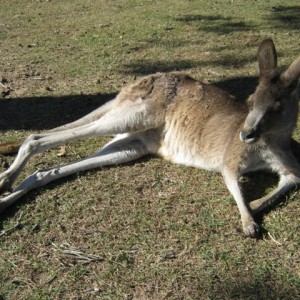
(273, 239)
(72, 252)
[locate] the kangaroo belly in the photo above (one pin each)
(190, 146)
(182, 155)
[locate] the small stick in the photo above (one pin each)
(273, 239)
(71, 251)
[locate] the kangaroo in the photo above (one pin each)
(185, 122)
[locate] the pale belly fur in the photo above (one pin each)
(180, 151)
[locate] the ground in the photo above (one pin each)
(147, 230)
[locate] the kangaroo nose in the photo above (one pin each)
(248, 137)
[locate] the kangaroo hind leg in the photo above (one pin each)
(118, 151)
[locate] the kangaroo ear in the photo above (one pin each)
(291, 73)
(267, 57)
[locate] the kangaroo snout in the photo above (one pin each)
(253, 125)
(249, 136)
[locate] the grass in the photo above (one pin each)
(165, 231)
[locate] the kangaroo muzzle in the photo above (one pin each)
(251, 130)
(249, 136)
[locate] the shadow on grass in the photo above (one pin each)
(146, 67)
(261, 285)
(240, 87)
(287, 17)
(282, 17)
(41, 113)
(216, 24)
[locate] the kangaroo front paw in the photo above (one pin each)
(251, 229)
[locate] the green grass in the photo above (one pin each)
(165, 231)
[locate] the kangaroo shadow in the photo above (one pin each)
(41, 113)
(239, 87)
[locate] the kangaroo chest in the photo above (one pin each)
(261, 159)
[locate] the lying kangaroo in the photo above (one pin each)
(189, 123)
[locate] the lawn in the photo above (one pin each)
(150, 229)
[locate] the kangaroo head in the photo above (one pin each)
(273, 107)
